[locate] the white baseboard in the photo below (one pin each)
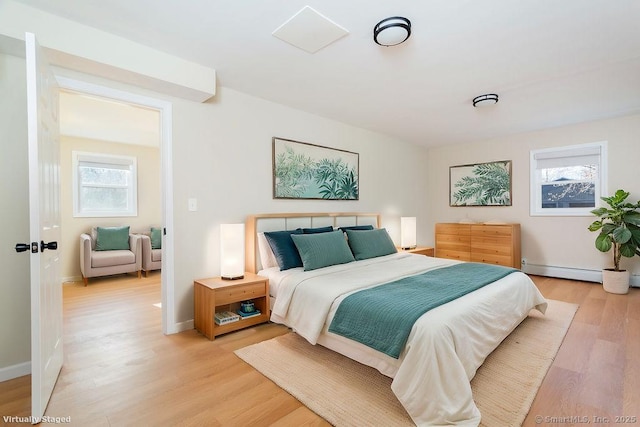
(181, 327)
(15, 371)
(66, 280)
(572, 273)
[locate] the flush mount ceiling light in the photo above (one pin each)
(392, 31)
(485, 100)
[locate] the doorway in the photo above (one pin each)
(164, 108)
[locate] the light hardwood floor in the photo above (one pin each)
(120, 370)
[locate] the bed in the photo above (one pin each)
(445, 346)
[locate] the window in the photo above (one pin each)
(568, 180)
(104, 185)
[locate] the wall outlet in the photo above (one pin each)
(523, 261)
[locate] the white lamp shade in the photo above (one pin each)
(407, 232)
(232, 251)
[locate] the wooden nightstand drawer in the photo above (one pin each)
(239, 293)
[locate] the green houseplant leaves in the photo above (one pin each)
(619, 227)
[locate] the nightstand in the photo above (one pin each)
(215, 294)
(420, 250)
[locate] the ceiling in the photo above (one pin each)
(552, 62)
(102, 119)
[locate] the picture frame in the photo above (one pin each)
(480, 184)
(308, 171)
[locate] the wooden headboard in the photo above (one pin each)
(289, 221)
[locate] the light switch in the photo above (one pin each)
(193, 205)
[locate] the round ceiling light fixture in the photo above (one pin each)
(392, 31)
(485, 100)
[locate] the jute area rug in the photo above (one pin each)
(335, 387)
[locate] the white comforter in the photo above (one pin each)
(446, 345)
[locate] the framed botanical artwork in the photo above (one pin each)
(309, 171)
(480, 184)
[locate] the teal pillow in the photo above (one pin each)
(283, 248)
(326, 229)
(322, 249)
(357, 227)
(370, 243)
(112, 238)
(156, 238)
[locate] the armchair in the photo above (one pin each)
(151, 257)
(95, 263)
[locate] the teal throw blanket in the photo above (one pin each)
(382, 317)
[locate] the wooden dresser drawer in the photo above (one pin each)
(452, 239)
(492, 247)
(451, 247)
(490, 240)
(492, 230)
(453, 254)
(237, 293)
(506, 261)
(456, 229)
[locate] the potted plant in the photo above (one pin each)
(619, 227)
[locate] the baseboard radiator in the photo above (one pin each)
(572, 273)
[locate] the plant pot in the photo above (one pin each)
(615, 282)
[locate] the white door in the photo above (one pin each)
(44, 208)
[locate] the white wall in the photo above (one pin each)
(14, 218)
(547, 241)
(222, 157)
(149, 206)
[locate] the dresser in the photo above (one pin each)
(488, 243)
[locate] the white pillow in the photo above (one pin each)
(267, 258)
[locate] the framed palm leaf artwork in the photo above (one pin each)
(309, 171)
(480, 184)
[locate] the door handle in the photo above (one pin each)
(51, 246)
(23, 247)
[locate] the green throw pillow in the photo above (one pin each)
(370, 243)
(322, 249)
(156, 238)
(112, 238)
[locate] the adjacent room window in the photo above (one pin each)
(104, 185)
(568, 180)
